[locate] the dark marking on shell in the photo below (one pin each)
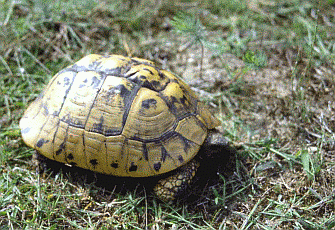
(148, 103)
(95, 82)
(59, 151)
(184, 101)
(41, 142)
(25, 130)
(174, 101)
(169, 101)
(130, 75)
(132, 167)
(120, 89)
(112, 132)
(157, 166)
(70, 156)
(55, 113)
(110, 72)
(78, 68)
(161, 75)
(66, 81)
(187, 143)
(83, 85)
(98, 127)
(164, 153)
(138, 80)
(115, 165)
(94, 162)
(142, 80)
(61, 148)
(145, 152)
(63, 82)
(128, 103)
(147, 84)
(93, 65)
(156, 85)
(69, 86)
(136, 62)
(181, 159)
(45, 109)
(75, 123)
(111, 93)
(149, 71)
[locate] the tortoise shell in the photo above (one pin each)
(117, 115)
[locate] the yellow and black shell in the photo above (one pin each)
(117, 115)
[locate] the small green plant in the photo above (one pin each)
(310, 163)
(237, 44)
(190, 26)
(255, 60)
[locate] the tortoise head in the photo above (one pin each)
(215, 145)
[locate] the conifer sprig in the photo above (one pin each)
(189, 25)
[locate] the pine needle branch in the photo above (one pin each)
(187, 24)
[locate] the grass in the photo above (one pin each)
(267, 72)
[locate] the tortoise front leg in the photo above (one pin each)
(167, 189)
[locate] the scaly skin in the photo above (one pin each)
(167, 189)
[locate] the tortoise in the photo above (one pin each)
(124, 117)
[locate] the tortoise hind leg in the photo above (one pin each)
(167, 189)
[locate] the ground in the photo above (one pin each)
(266, 70)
